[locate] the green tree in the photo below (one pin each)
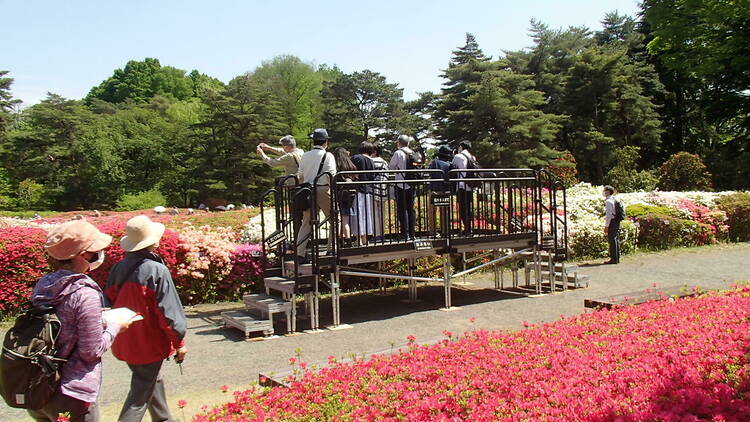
(684, 172)
(7, 102)
(608, 108)
(508, 123)
(359, 105)
(624, 176)
(238, 119)
(701, 49)
(139, 81)
(296, 86)
(454, 113)
(29, 193)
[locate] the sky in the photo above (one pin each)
(67, 47)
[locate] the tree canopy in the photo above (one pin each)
(611, 105)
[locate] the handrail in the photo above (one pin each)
(263, 198)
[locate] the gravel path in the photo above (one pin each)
(219, 357)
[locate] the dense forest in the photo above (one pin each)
(606, 106)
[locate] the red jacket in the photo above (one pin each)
(143, 283)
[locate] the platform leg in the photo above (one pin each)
(447, 280)
(336, 298)
(496, 270)
(538, 270)
(294, 312)
(552, 273)
(412, 282)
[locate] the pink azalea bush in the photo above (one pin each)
(686, 360)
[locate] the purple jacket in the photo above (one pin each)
(83, 339)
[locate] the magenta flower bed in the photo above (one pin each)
(681, 361)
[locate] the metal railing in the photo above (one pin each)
(378, 208)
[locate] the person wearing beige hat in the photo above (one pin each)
(142, 282)
(73, 249)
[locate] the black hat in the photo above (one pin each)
(320, 135)
(445, 152)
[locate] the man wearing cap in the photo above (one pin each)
(290, 155)
(143, 283)
(314, 163)
(74, 249)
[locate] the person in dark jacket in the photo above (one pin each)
(143, 283)
(73, 249)
(365, 213)
(441, 162)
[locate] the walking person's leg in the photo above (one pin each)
(324, 205)
(78, 410)
(158, 407)
(304, 231)
(615, 233)
(142, 385)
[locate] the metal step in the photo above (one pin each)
(247, 322)
(569, 268)
(280, 284)
(304, 269)
(267, 304)
(272, 272)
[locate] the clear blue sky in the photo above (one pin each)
(67, 47)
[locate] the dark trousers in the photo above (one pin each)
(405, 208)
(466, 208)
(613, 238)
(146, 393)
(60, 403)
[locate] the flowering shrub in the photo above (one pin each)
(666, 361)
(247, 271)
(664, 232)
(590, 240)
(205, 262)
(21, 260)
(737, 209)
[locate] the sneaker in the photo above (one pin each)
(610, 262)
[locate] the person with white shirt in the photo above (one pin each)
(611, 224)
(464, 192)
(314, 163)
(404, 192)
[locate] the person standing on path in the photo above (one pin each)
(143, 283)
(73, 249)
(314, 163)
(611, 224)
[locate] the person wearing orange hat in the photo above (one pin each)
(142, 282)
(73, 249)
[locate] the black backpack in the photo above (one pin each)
(620, 213)
(414, 161)
(472, 164)
(29, 371)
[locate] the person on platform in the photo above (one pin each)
(441, 162)
(143, 283)
(380, 192)
(365, 211)
(289, 155)
(404, 191)
(346, 196)
(464, 192)
(314, 163)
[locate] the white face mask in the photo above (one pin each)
(99, 261)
